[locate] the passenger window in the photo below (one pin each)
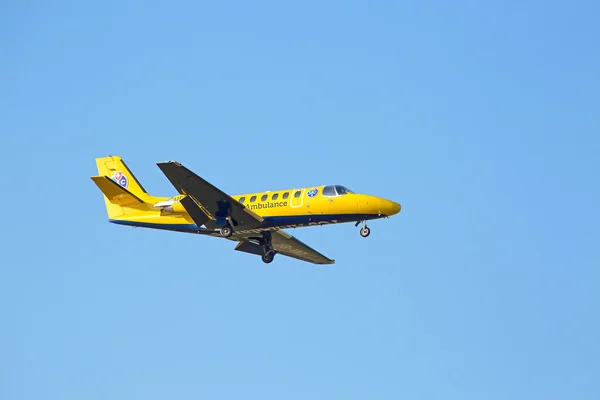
(297, 194)
(242, 199)
(286, 195)
(329, 191)
(252, 199)
(264, 198)
(275, 196)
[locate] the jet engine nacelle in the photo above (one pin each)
(171, 206)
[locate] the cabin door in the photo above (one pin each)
(296, 200)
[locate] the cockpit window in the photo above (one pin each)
(329, 191)
(335, 190)
(342, 190)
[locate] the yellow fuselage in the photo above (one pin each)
(280, 209)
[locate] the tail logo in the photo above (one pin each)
(121, 179)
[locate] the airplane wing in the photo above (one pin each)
(288, 246)
(213, 201)
(209, 203)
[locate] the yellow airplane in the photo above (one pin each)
(255, 220)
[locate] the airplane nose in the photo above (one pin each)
(396, 207)
(391, 207)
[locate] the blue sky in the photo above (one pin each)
(480, 119)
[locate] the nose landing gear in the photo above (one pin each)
(364, 231)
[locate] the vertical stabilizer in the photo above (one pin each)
(125, 194)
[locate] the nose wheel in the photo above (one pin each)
(364, 231)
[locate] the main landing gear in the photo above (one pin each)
(267, 246)
(364, 231)
(268, 256)
(227, 229)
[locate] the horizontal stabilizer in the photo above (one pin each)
(115, 193)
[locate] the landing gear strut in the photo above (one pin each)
(364, 231)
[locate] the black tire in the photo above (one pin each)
(268, 257)
(226, 231)
(366, 231)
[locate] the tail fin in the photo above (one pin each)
(115, 168)
(123, 193)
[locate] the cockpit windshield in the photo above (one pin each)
(342, 190)
(335, 190)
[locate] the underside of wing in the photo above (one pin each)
(290, 246)
(286, 245)
(218, 205)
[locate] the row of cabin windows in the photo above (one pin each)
(275, 196)
(329, 191)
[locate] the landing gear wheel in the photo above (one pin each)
(268, 257)
(226, 231)
(365, 231)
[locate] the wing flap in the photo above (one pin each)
(194, 210)
(115, 193)
(249, 247)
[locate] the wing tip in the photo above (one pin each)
(328, 262)
(177, 163)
